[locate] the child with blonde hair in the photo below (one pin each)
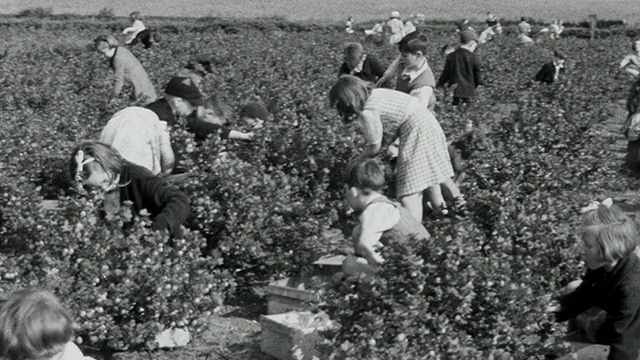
(612, 281)
(97, 165)
(34, 325)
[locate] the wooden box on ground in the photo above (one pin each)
(293, 335)
(298, 293)
(583, 350)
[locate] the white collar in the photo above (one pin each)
(413, 74)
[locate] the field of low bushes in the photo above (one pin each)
(264, 211)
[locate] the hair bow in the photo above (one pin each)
(595, 204)
(81, 162)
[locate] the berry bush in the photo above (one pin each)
(478, 289)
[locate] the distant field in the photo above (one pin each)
(334, 10)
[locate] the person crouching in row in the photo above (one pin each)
(100, 166)
(382, 221)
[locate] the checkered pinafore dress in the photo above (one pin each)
(423, 158)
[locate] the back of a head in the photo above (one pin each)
(366, 175)
(349, 94)
(559, 55)
(110, 40)
(33, 325)
(353, 52)
(611, 230)
(255, 110)
(467, 37)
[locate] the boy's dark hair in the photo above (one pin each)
(353, 52)
(255, 111)
(366, 175)
(411, 36)
(416, 45)
(523, 19)
(559, 54)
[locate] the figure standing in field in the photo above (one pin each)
(349, 25)
(550, 72)
(382, 221)
(35, 325)
(415, 76)
(100, 166)
(612, 280)
(140, 138)
(385, 115)
(138, 32)
(631, 63)
(462, 69)
(358, 63)
(395, 28)
(127, 70)
(524, 32)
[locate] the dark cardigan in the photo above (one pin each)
(168, 206)
(372, 69)
(462, 68)
(618, 293)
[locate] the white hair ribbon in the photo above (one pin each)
(594, 205)
(81, 162)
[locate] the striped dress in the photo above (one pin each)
(423, 158)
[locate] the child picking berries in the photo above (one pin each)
(382, 221)
(34, 325)
(100, 166)
(612, 280)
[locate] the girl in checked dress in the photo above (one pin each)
(384, 115)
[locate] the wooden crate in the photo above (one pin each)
(290, 295)
(294, 294)
(294, 335)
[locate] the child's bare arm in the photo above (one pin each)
(237, 135)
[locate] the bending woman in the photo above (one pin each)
(384, 115)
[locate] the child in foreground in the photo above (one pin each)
(34, 325)
(612, 281)
(382, 221)
(100, 166)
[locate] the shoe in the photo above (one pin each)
(460, 205)
(442, 210)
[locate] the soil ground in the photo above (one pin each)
(233, 334)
